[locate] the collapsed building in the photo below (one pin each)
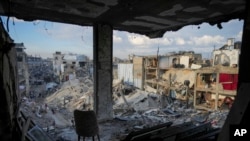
(67, 66)
(186, 76)
(151, 18)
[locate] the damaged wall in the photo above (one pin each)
(226, 57)
(125, 72)
(9, 98)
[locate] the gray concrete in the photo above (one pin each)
(103, 44)
(148, 17)
(9, 98)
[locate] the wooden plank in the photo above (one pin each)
(221, 92)
(228, 92)
(202, 107)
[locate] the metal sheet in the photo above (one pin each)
(125, 72)
(138, 83)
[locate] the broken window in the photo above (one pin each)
(73, 62)
(19, 49)
(82, 64)
(174, 61)
(222, 59)
(19, 58)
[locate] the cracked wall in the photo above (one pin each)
(9, 98)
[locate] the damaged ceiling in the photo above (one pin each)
(148, 17)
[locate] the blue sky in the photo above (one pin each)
(44, 38)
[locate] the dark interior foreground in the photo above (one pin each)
(151, 18)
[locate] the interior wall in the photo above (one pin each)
(239, 113)
(9, 98)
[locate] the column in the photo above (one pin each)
(103, 54)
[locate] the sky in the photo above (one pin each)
(43, 38)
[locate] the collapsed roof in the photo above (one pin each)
(148, 17)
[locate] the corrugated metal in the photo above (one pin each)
(138, 83)
(125, 72)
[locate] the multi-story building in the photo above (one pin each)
(34, 61)
(57, 61)
(23, 72)
(227, 55)
(66, 65)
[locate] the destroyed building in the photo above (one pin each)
(23, 69)
(149, 71)
(34, 61)
(67, 65)
(151, 18)
(227, 55)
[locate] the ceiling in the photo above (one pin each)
(148, 17)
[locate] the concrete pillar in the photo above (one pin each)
(103, 54)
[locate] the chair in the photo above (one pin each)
(86, 124)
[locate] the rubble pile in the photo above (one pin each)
(37, 111)
(55, 112)
(134, 110)
(178, 77)
(74, 94)
(140, 110)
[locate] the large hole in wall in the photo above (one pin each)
(51, 88)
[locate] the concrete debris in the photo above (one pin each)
(73, 94)
(54, 113)
(150, 89)
(179, 76)
(147, 111)
(195, 66)
(134, 110)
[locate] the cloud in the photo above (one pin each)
(52, 36)
(117, 39)
(65, 31)
(60, 31)
(179, 41)
(137, 40)
(165, 41)
(239, 36)
(144, 41)
(142, 51)
(207, 40)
